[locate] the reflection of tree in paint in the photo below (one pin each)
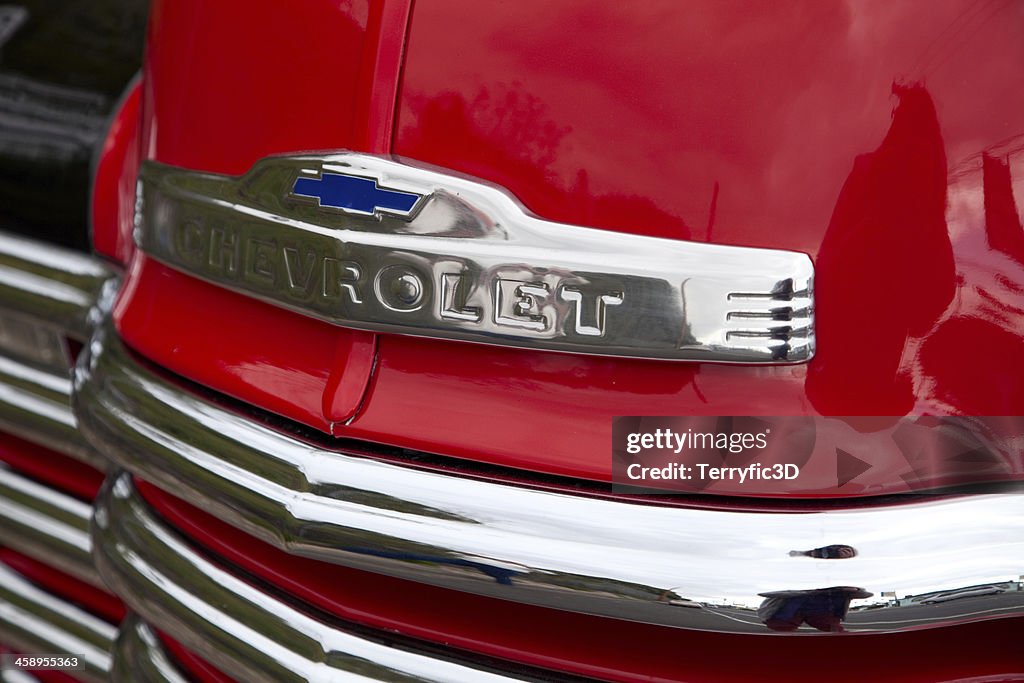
(513, 136)
(1002, 224)
(971, 360)
(892, 336)
(885, 270)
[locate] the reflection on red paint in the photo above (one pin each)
(511, 130)
(885, 269)
(991, 380)
(113, 191)
(1002, 223)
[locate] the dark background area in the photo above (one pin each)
(63, 66)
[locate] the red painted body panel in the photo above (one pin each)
(243, 105)
(853, 133)
(764, 125)
(113, 190)
(239, 345)
(228, 84)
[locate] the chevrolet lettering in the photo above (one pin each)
(371, 243)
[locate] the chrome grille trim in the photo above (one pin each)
(35, 621)
(35, 404)
(16, 676)
(231, 623)
(140, 658)
(51, 285)
(597, 556)
(46, 294)
(47, 525)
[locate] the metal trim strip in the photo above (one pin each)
(598, 556)
(46, 293)
(53, 286)
(35, 404)
(46, 524)
(465, 261)
(232, 623)
(33, 620)
(140, 658)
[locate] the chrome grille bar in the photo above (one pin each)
(605, 557)
(16, 676)
(46, 524)
(232, 623)
(47, 294)
(140, 658)
(34, 621)
(56, 287)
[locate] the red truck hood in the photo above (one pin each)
(880, 141)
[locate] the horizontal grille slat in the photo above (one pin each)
(47, 296)
(233, 624)
(595, 556)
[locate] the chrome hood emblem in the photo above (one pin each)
(376, 244)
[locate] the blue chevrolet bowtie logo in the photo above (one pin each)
(354, 194)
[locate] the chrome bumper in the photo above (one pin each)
(597, 556)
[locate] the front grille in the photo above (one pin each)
(52, 598)
(233, 622)
(539, 552)
(34, 620)
(51, 301)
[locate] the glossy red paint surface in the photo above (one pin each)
(593, 646)
(235, 344)
(883, 140)
(212, 102)
(852, 132)
(113, 190)
(226, 86)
